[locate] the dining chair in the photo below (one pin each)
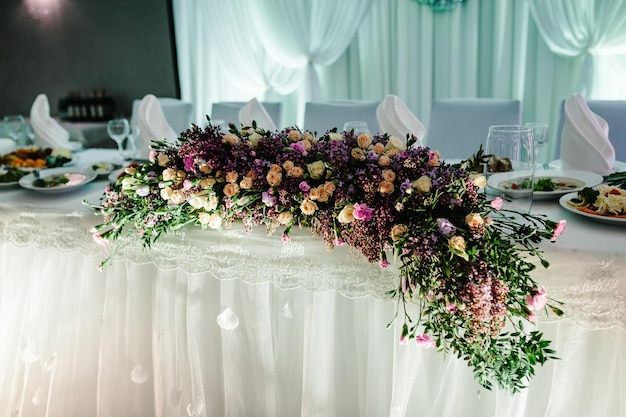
(229, 111)
(322, 116)
(457, 127)
(614, 112)
(178, 113)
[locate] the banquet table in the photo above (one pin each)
(230, 323)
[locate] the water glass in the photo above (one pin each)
(118, 129)
(14, 126)
(357, 126)
(511, 163)
(541, 135)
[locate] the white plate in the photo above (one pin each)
(11, 184)
(616, 221)
(83, 175)
(104, 168)
(618, 166)
(582, 178)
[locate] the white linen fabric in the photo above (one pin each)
(152, 124)
(7, 145)
(48, 132)
(221, 323)
(585, 143)
(179, 114)
(253, 111)
(395, 118)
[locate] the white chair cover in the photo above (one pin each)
(178, 113)
(228, 111)
(152, 124)
(254, 111)
(395, 118)
(585, 141)
(48, 132)
(322, 116)
(457, 127)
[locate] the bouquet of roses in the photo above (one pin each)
(464, 260)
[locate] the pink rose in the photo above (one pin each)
(538, 299)
(425, 341)
(558, 230)
(497, 203)
(450, 307)
(363, 212)
(532, 318)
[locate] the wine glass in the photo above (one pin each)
(118, 129)
(14, 125)
(131, 148)
(541, 135)
(511, 166)
(357, 126)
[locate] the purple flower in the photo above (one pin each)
(363, 212)
(446, 227)
(304, 186)
(268, 199)
(299, 146)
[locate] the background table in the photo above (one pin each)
(228, 323)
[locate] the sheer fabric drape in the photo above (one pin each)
(594, 30)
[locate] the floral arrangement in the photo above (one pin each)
(465, 262)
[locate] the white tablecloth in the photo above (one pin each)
(226, 323)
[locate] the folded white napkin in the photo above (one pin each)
(152, 124)
(48, 132)
(395, 119)
(254, 111)
(7, 145)
(585, 141)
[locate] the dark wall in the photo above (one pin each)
(124, 46)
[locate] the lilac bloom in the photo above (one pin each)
(445, 227)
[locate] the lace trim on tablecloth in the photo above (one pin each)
(594, 298)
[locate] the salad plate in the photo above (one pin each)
(58, 180)
(9, 177)
(549, 184)
(568, 202)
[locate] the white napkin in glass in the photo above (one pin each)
(395, 119)
(48, 132)
(585, 141)
(254, 111)
(152, 124)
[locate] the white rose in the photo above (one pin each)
(395, 143)
(169, 174)
(337, 137)
(177, 197)
(254, 139)
(346, 215)
(197, 201)
(480, 181)
(215, 221)
(316, 169)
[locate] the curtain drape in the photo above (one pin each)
(594, 30)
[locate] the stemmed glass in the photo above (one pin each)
(357, 126)
(512, 164)
(541, 135)
(118, 129)
(14, 125)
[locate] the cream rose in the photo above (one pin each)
(329, 187)
(207, 183)
(211, 203)
(336, 137)
(388, 175)
(384, 161)
(231, 139)
(177, 197)
(204, 218)
(166, 193)
(395, 142)
(163, 160)
(346, 215)
(357, 153)
(231, 189)
(379, 148)
(274, 178)
(457, 243)
(316, 169)
(232, 176)
(323, 195)
(474, 220)
(246, 183)
(397, 232)
(254, 139)
(386, 187)
(288, 165)
(308, 207)
(480, 181)
(364, 140)
(285, 218)
(169, 174)
(215, 221)
(422, 184)
(314, 193)
(197, 201)
(294, 135)
(295, 172)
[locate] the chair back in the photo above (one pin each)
(614, 112)
(457, 127)
(178, 113)
(228, 111)
(323, 116)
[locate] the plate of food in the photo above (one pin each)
(10, 177)
(104, 169)
(548, 184)
(605, 204)
(57, 180)
(36, 158)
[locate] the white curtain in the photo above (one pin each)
(595, 30)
